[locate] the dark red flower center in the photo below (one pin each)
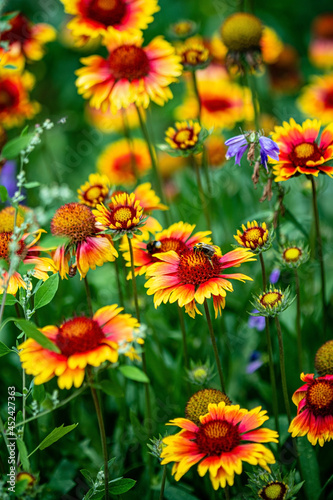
(271, 299)
(122, 217)
(328, 99)
(95, 193)
(217, 436)
(5, 239)
(182, 138)
(106, 12)
(319, 397)
(9, 95)
(74, 221)
(79, 335)
(216, 104)
(195, 267)
(171, 244)
(19, 32)
(276, 490)
(129, 62)
(304, 152)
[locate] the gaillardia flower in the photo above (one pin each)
(272, 302)
(314, 401)
(321, 45)
(182, 29)
(29, 37)
(300, 151)
(191, 277)
(185, 139)
(177, 237)
(79, 342)
(86, 245)
(94, 191)
(274, 485)
(15, 106)
(123, 215)
(130, 74)
(28, 253)
(324, 359)
(316, 99)
(123, 163)
(293, 255)
(271, 45)
(95, 18)
(226, 436)
(194, 55)
(256, 237)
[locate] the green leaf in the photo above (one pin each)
(46, 291)
(174, 493)
(87, 476)
(30, 185)
(110, 388)
(310, 468)
(54, 436)
(120, 486)
(3, 194)
(9, 16)
(10, 300)
(134, 373)
(38, 393)
(23, 454)
(4, 349)
(13, 148)
(32, 331)
(4, 323)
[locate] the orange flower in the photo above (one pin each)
(15, 106)
(226, 436)
(314, 401)
(299, 151)
(123, 163)
(80, 341)
(177, 237)
(85, 244)
(94, 191)
(316, 99)
(95, 18)
(131, 74)
(321, 45)
(29, 253)
(192, 276)
(271, 45)
(29, 37)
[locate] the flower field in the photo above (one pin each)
(166, 284)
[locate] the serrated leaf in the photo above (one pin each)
(121, 486)
(31, 330)
(46, 291)
(55, 435)
(13, 148)
(4, 349)
(134, 373)
(23, 454)
(3, 194)
(110, 388)
(38, 393)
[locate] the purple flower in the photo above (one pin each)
(257, 322)
(236, 147)
(268, 148)
(8, 177)
(255, 362)
(274, 276)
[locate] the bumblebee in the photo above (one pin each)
(153, 246)
(208, 250)
(72, 270)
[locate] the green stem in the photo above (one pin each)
(182, 327)
(298, 323)
(216, 354)
(226, 493)
(127, 135)
(253, 88)
(283, 369)
(120, 292)
(163, 482)
(86, 284)
(197, 95)
(101, 431)
(152, 154)
(202, 194)
(263, 272)
(320, 253)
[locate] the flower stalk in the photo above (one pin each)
(216, 354)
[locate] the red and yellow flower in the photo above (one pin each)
(177, 237)
(254, 236)
(15, 106)
(149, 202)
(28, 37)
(130, 74)
(314, 401)
(94, 18)
(123, 162)
(29, 253)
(184, 136)
(194, 54)
(94, 191)
(321, 45)
(300, 153)
(79, 342)
(316, 99)
(85, 244)
(226, 437)
(191, 277)
(271, 45)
